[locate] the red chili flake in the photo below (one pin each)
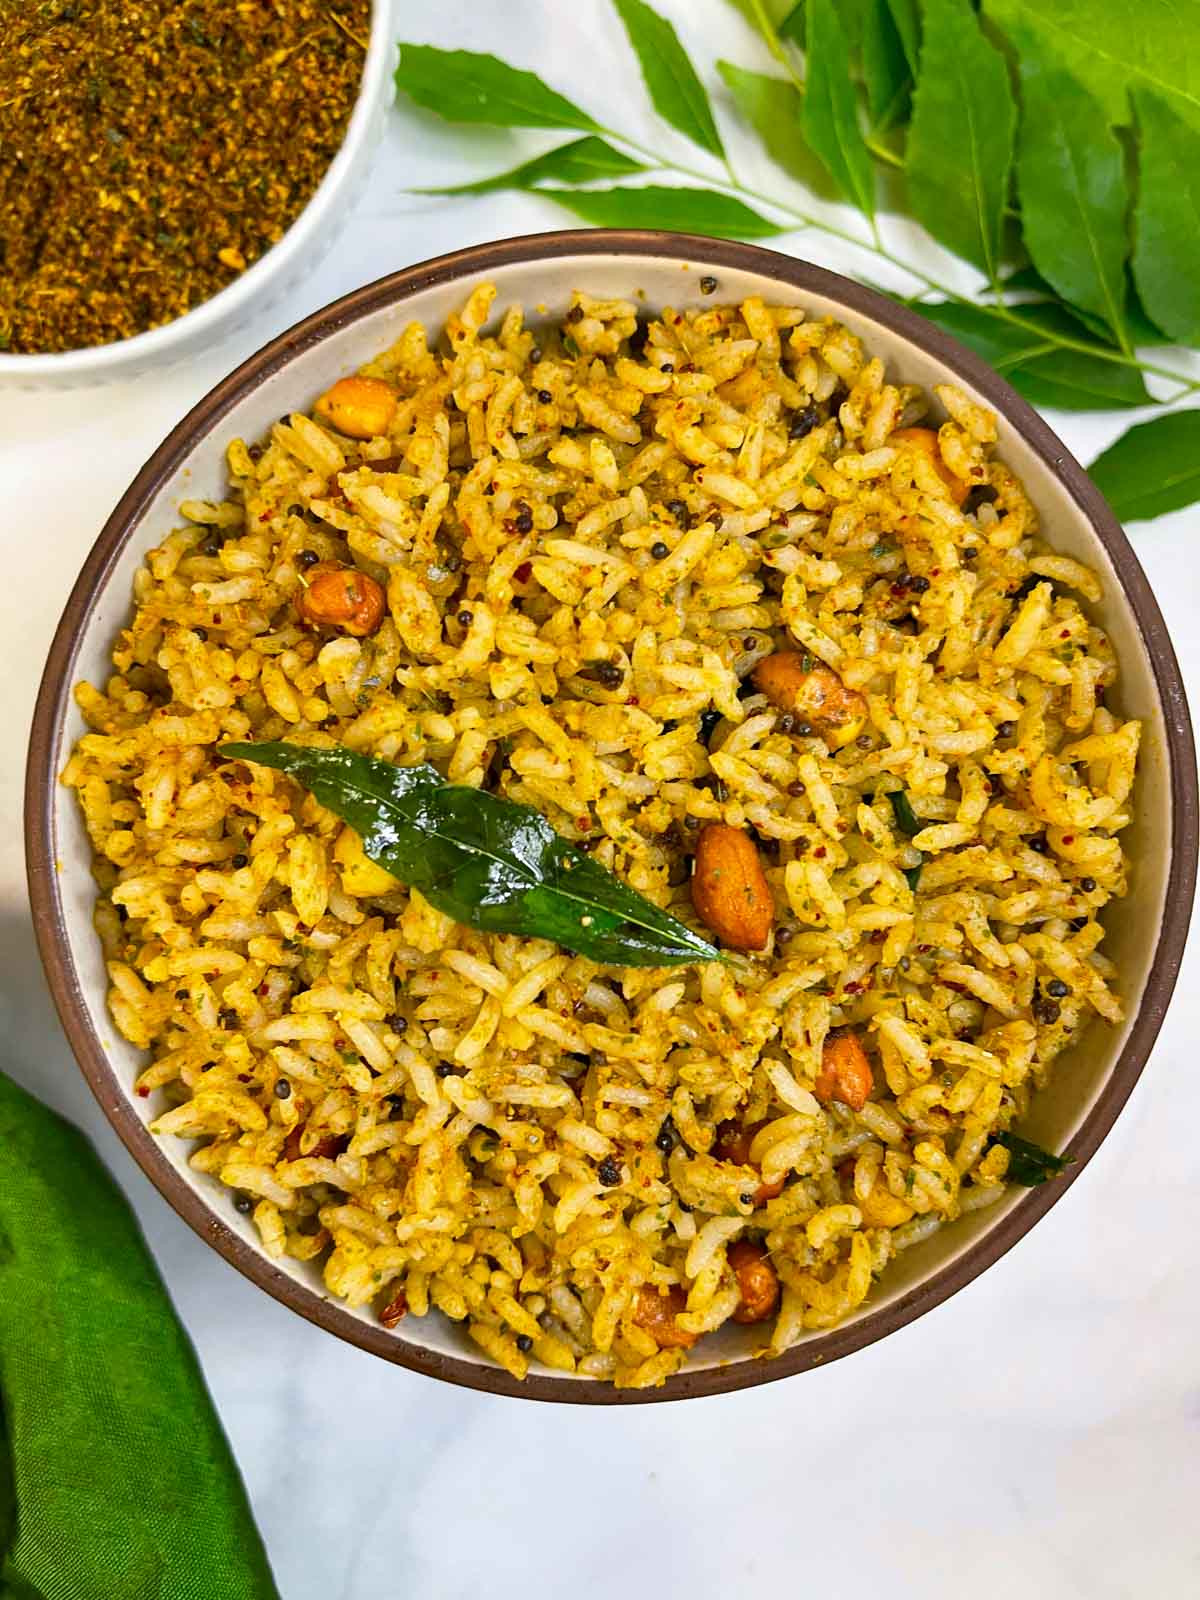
(1068, 838)
(396, 1308)
(524, 572)
(143, 1093)
(934, 573)
(820, 852)
(584, 824)
(923, 949)
(262, 989)
(632, 701)
(243, 1077)
(1065, 634)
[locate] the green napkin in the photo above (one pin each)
(116, 1482)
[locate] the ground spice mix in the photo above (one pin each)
(151, 150)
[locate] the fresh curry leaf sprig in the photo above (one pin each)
(1030, 141)
(484, 861)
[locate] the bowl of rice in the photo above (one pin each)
(612, 818)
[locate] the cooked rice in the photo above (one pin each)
(453, 1094)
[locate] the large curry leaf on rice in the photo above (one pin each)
(482, 860)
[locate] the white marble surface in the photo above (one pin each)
(1038, 1436)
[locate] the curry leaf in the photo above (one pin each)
(1153, 468)
(482, 860)
(676, 210)
(773, 14)
(793, 24)
(581, 161)
(773, 108)
(960, 143)
(831, 107)
(1115, 46)
(1074, 196)
(464, 86)
(1028, 1163)
(884, 66)
(1167, 218)
(1031, 356)
(906, 818)
(1141, 330)
(906, 14)
(676, 91)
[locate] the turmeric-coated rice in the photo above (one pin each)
(649, 578)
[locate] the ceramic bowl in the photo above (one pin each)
(1089, 1085)
(270, 277)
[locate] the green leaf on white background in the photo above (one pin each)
(831, 107)
(464, 86)
(1032, 359)
(1166, 251)
(1142, 331)
(960, 142)
(1073, 191)
(884, 67)
(1115, 45)
(1152, 469)
(677, 93)
(677, 210)
(773, 108)
(582, 161)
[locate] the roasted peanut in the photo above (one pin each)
(926, 441)
(361, 408)
(733, 1143)
(335, 596)
(729, 888)
(756, 1279)
(845, 1073)
(814, 694)
(656, 1310)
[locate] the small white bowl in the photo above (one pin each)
(301, 247)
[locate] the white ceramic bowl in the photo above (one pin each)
(1089, 1085)
(271, 276)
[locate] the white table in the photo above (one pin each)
(1036, 1438)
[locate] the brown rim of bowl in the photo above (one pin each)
(479, 261)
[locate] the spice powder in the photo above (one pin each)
(151, 150)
